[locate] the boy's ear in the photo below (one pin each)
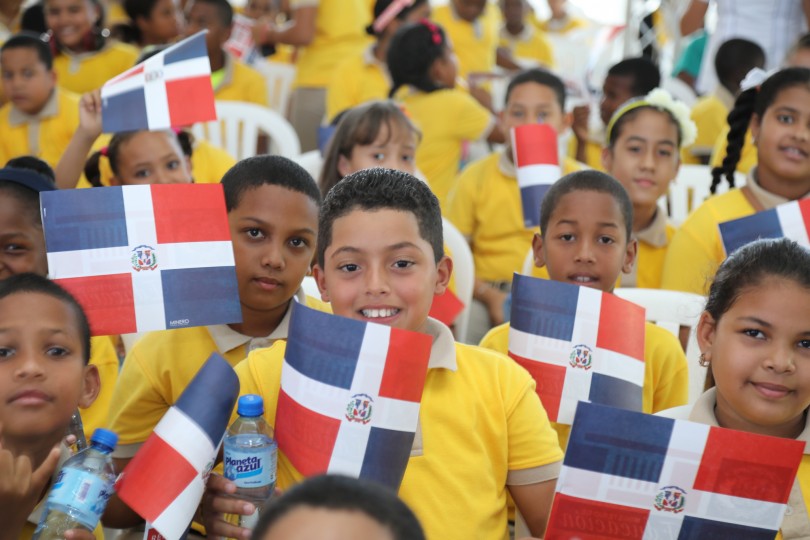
(705, 332)
(607, 159)
(320, 279)
(537, 251)
(630, 256)
(444, 269)
(91, 386)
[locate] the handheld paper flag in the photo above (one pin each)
(446, 307)
(142, 258)
(165, 480)
(578, 344)
(350, 395)
(170, 89)
(241, 44)
(787, 220)
(631, 475)
(534, 149)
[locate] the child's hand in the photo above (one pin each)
(580, 125)
(90, 114)
(216, 503)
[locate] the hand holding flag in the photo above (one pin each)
(534, 150)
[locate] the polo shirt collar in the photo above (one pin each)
(655, 233)
(17, 117)
(443, 350)
(228, 69)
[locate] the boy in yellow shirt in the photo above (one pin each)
(39, 118)
(520, 39)
(472, 26)
(485, 205)
(482, 430)
(273, 211)
(586, 220)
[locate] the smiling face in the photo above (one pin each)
(70, 21)
(585, 242)
(378, 268)
(27, 83)
(151, 157)
(22, 242)
(392, 151)
(759, 351)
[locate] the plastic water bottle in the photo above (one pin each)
(82, 488)
(250, 456)
(76, 429)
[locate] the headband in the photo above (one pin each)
(30, 179)
(389, 14)
(662, 100)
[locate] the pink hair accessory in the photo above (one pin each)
(389, 14)
(435, 36)
(104, 151)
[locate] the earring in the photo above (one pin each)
(703, 360)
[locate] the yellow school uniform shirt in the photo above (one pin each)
(696, 249)
(339, 33)
(593, 152)
(356, 80)
(530, 46)
(481, 429)
(447, 118)
(240, 82)
(560, 26)
(748, 154)
(653, 243)
(45, 134)
(796, 523)
(104, 356)
(666, 375)
(476, 43)
(486, 208)
(84, 72)
(710, 115)
(160, 366)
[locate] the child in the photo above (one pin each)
(233, 80)
(22, 250)
(45, 375)
(485, 205)
(421, 59)
(778, 112)
(524, 43)
(369, 74)
(632, 77)
(734, 59)
(39, 118)
(561, 21)
(472, 28)
(327, 505)
(754, 337)
(799, 54)
(84, 59)
(151, 22)
(272, 210)
(585, 240)
(644, 139)
(482, 428)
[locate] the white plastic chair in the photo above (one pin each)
(690, 188)
(528, 263)
(310, 287)
(464, 270)
(280, 78)
(312, 162)
(240, 125)
(673, 310)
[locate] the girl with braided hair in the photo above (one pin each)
(777, 112)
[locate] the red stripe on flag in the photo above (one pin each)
(748, 465)
(804, 209)
(446, 307)
(124, 76)
(621, 327)
(306, 437)
(550, 380)
(536, 144)
(406, 365)
(107, 300)
(154, 478)
(572, 517)
(190, 100)
(190, 213)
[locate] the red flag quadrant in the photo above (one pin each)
(241, 44)
(534, 149)
(350, 395)
(446, 307)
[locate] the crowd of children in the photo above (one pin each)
(411, 90)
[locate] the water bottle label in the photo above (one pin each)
(251, 469)
(84, 493)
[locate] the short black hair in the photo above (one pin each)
(412, 51)
(644, 72)
(27, 198)
(27, 40)
(341, 493)
(734, 59)
(382, 189)
(587, 180)
(32, 163)
(539, 76)
(224, 10)
(258, 171)
(33, 283)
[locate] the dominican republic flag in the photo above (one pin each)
(170, 89)
(446, 307)
(789, 220)
(141, 258)
(579, 344)
(637, 476)
(534, 149)
(165, 480)
(241, 44)
(350, 395)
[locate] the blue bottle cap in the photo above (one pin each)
(104, 437)
(250, 405)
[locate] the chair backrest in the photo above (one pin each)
(464, 270)
(280, 78)
(312, 161)
(310, 287)
(674, 310)
(690, 188)
(240, 125)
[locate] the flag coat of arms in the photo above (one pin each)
(170, 89)
(579, 344)
(789, 220)
(534, 148)
(141, 258)
(637, 476)
(350, 396)
(165, 480)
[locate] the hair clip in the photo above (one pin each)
(104, 151)
(755, 78)
(435, 36)
(389, 14)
